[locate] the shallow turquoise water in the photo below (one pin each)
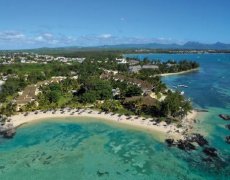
(209, 88)
(83, 149)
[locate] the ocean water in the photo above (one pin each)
(92, 149)
(209, 88)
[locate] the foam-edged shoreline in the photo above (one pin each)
(178, 73)
(134, 121)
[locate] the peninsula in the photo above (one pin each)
(102, 85)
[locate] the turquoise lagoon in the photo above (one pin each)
(92, 149)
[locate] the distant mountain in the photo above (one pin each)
(189, 45)
(197, 45)
(142, 46)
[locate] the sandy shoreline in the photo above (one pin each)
(182, 72)
(166, 130)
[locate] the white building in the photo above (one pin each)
(121, 60)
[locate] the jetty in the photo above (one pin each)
(201, 110)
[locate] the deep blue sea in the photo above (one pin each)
(85, 149)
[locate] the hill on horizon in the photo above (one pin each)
(190, 45)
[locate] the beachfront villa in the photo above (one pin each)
(147, 101)
(121, 60)
(133, 62)
(116, 92)
(29, 94)
(137, 68)
(144, 85)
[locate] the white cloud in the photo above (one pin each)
(105, 36)
(39, 38)
(18, 40)
(46, 38)
(11, 36)
(52, 39)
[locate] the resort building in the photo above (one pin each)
(141, 101)
(145, 86)
(137, 68)
(150, 67)
(121, 60)
(29, 94)
(133, 62)
(116, 92)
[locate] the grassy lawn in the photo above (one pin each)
(64, 99)
(25, 68)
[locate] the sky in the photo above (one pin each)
(57, 23)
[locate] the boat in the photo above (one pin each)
(182, 85)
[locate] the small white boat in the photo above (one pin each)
(182, 85)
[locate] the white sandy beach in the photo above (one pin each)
(182, 72)
(166, 130)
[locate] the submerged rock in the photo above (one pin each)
(224, 116)
(198, 138)
(9, 133)
(102, 173)
(228, 139)
(210, 151)
(170, 142)
(208, 159)
(185, 145)
(228, 126)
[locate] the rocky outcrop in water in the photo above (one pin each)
(228, 126)
(207, 159)
(102, 173)
(181, 144)
(228, 139)
(210, 151)
(198, 138)
(170, 142)
(185, 145)
(9, 133)
(225, 117)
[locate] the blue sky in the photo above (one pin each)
(55, 23)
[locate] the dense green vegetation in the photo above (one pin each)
(102, 51)
(175, 105)
(90, 90)
(94, 89)
(57, 94)
(173, 66)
